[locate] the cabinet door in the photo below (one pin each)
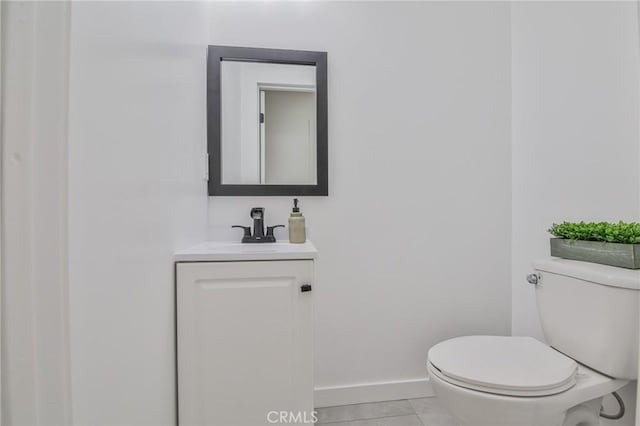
(245, 342)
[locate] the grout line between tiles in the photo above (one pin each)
(368, 403)
(370, 418)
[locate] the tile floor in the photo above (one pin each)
(404, 412)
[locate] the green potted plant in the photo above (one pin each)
(615, 244)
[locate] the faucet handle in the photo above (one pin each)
(247, 230)
(271, 228)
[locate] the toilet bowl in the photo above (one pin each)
(589, 315)
(515, 381)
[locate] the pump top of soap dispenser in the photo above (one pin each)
(296, 209)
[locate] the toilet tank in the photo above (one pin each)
(589, 312)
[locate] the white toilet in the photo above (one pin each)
(589, 315)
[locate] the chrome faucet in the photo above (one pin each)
(257, 214)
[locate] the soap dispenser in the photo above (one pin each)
(297, 227)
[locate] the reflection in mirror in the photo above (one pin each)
(268, 123)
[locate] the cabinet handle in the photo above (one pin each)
(305, 287)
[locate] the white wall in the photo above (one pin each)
(414, 236)
(33, 149)
(575, 128)
(136, 193)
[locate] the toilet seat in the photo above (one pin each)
(511, 366)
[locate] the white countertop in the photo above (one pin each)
(216, 251)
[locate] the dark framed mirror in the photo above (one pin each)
(267, 121)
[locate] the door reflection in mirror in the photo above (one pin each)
(268, 123)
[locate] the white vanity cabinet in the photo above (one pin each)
(244, 333)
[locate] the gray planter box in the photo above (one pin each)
(614, 254)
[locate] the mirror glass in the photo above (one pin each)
(268, 123)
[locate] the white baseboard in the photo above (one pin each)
(371, 392)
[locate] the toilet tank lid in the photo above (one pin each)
(600, 274)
